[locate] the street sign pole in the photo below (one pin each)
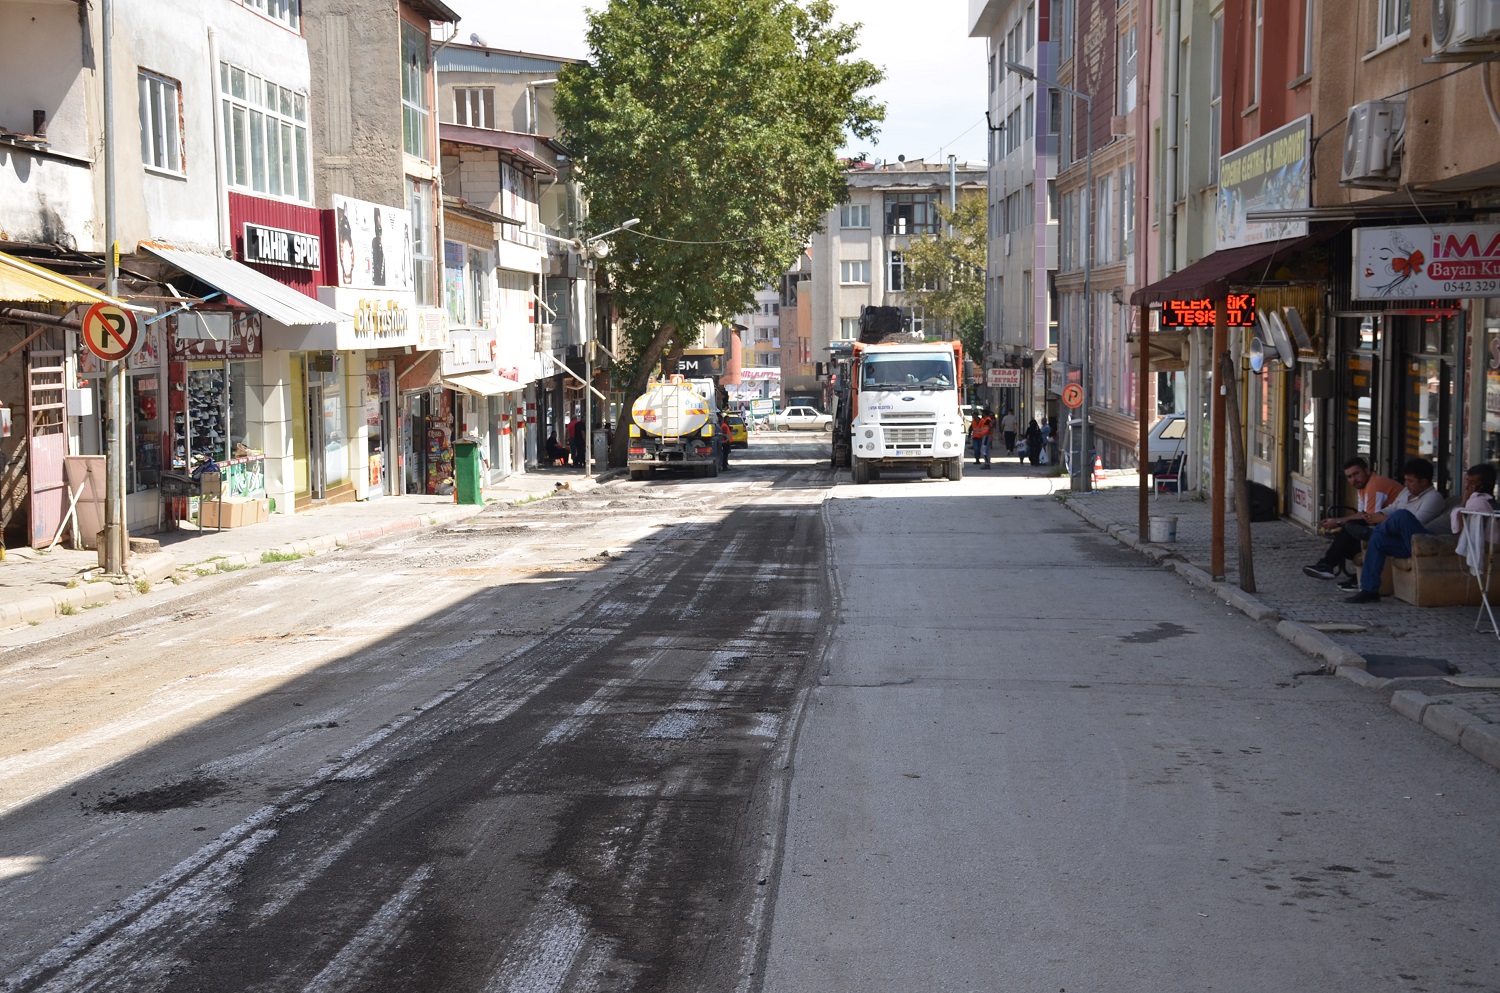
(116, 539)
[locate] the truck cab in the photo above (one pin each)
(905, 409)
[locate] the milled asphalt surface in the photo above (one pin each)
(1312, 614)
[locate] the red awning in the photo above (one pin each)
(1212, 275)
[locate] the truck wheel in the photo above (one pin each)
(860, 470)
(937, 470)
(956, 469)
(712, 470)
(640, 474)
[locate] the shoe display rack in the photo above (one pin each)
(206, 419)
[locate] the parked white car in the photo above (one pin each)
(800, 419)
(1167, 438)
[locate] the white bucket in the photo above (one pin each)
(1162, 529)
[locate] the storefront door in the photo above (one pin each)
(316, 477)
(1426, 396)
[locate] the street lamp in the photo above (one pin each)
(585, 249)
(1082, 476)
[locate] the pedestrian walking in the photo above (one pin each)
(982, 431)
(1008, 426)
(1034, 442)
(575, 441)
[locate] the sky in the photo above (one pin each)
(934, 89)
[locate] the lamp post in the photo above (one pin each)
(585, 249)
(1082, 477)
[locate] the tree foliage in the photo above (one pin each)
(717, 122)
(953, 265)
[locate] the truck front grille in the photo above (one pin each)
(905, 437)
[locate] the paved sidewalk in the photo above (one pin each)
(36, 586)
(1348, 638)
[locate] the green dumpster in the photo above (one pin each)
(467, 472)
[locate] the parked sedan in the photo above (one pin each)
(738, 436)
(800, 419)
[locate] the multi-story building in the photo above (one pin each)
(798, 365)
(857, 256)
(758, 374)
(508, 188)
(1024, 122)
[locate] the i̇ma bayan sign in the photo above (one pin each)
(1269, 173)
(1424, 262)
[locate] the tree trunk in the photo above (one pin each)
(649, 361)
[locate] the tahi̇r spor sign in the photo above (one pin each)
(1426, 262)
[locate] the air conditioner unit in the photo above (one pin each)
(1372, 144)
(1463, 26)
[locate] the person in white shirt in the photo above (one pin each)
(1008, 425)
(1478, 498)
(1418, 506)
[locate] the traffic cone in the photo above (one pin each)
(1098, 469)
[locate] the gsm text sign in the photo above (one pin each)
(109, 332)
(1239, 312)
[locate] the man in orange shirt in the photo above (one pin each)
(981, 431)
(1374, 494)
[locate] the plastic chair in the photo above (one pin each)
(1167, 475)
(1487, 527)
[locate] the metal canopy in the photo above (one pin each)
(482, 384)
(255, 289)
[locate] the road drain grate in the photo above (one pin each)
(1408, 667)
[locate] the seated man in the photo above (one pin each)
(1373, 493)
(1390, 535)
(556, 454)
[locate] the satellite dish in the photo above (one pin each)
(1280, 340)
(1300, 337)
(474, 39)
(1257, 355)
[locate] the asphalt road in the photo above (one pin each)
(767, 732)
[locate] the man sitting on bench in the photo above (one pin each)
(1390, 535)
(1373, 493)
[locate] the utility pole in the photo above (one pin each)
(116, 528)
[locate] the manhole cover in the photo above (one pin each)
(1407, 667)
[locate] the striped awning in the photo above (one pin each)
(24, 282)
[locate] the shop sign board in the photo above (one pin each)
(1239, 312)
(1426, 262)
(378, 320)
(700, 363)
(1269, 173)
(274, 246)
(242, 340)
(1003, 378)
(374, 245)
(469, 350)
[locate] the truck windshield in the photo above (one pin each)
(902, 372)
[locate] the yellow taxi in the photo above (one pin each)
(738, 436)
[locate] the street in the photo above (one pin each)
(770, 731)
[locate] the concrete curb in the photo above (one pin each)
(1452, 723)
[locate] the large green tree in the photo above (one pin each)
(717, 123)
(946, 271)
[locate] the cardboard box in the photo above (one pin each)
(226, 513)
(262, 510)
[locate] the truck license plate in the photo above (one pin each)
(900, 452)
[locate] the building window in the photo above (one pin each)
(848, 328)
(474, 106)
(1260, 46)
(1393, 21)
(1127, 210)
(854, 215)
(992, 72)
(1029, 114)
(855, 272)
(1127, 63)
(896, 267)
(414, 106)
(419, 203)
(288, 12)
(161, 122)
(1054, 111)
(917, 322)
(1307, 37)
(1215, 99)
(1030, 39)
(1103, 224)
(265, 135)
(911, 213)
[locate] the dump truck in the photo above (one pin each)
(900, 408)
(673, 425)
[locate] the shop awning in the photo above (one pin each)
(1210, 276)
(482, 384)
(22, 282)
(250, 287)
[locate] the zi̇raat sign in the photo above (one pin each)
(374, 244)
(273, 246)
(1269, 173)
(1424, 262)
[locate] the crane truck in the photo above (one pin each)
(672, 426)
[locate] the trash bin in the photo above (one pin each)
(467, 473)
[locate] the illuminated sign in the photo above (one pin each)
(1239, 312)
(273, 246)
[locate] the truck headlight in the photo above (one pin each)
(869, 433)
